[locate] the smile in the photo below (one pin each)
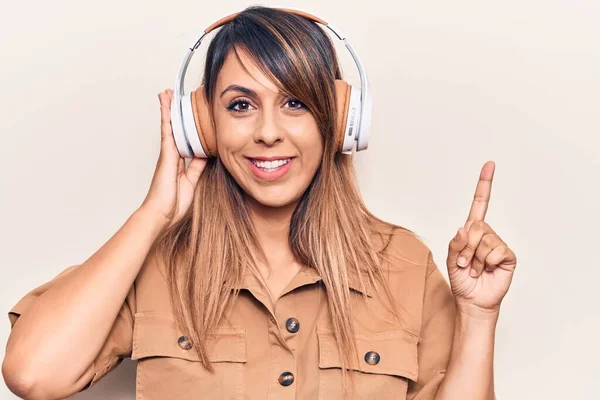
(270, 168)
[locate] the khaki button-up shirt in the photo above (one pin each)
(287, 350)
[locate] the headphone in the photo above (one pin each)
(192, 124)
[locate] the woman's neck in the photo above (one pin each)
(272, 227)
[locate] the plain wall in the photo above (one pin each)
(454, 84)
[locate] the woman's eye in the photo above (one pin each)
(239, 106)
(295, 104)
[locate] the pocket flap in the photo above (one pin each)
(397, 352)
(156, 334)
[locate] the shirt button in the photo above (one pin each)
(372, 358)
(292, 325)
(286, 378)
(184, 342)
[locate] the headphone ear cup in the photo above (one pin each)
(349, 110)
(181, 141)
(204, 122)
(193, 129)
(343, 90)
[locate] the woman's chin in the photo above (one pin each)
(274, 200)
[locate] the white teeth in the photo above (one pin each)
(271, 165)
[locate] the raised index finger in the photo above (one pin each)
(481, 199)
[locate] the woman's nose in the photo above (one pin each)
(269, 131)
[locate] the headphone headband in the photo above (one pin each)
(231, 17)
(190, 145)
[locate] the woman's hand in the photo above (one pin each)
(480, 264)
(172, 189)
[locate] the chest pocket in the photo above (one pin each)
(168, 366)
(387, 361)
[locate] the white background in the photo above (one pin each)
(454, 84)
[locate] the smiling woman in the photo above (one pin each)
(258, 272)
(269, 84)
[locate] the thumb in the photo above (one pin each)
(457, 244)
(194, 169)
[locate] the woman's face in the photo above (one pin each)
(268, 142)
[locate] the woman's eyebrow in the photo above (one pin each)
(238, 88)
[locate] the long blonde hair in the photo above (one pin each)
(207, 253)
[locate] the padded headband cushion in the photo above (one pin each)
(231, 17)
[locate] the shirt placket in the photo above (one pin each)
(283, 330)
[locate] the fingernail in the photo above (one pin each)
(461, 261)
(473, 273)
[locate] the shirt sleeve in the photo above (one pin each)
(119, 341)
(437, 331)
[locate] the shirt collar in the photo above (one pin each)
(353, 281)
(306, 276)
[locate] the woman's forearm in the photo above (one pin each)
(72, 319)
(470, 374)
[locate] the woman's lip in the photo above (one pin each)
(270, 158)
(269, 176)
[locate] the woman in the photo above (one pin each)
(260, 273)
